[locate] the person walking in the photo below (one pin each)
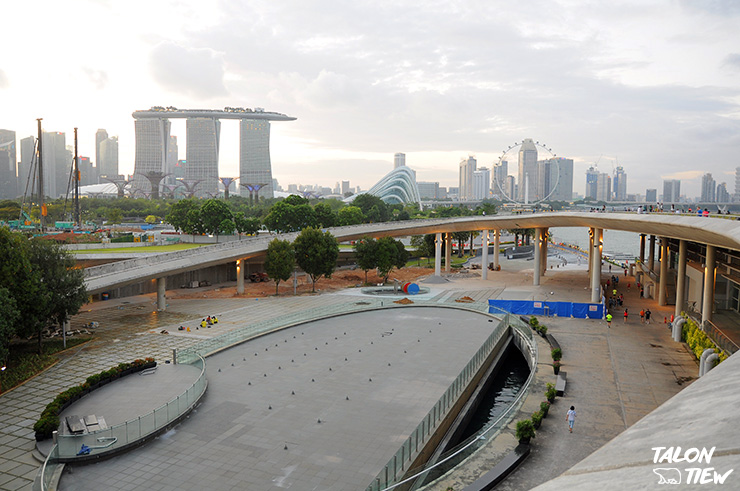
(647, 316)
(608, 320)
(642, 316)
(570, 417)
(625, 315)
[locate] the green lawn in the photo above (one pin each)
(163, 248)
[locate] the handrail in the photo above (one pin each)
(45, 464)
(720, 338)
(509, 321)
(122, 432)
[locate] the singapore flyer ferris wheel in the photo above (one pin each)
(538, 173)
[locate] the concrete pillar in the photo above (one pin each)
(596, 266)
(681, 280)
(448, 252)
(543, 246)
(496, 247)
(484, 256)
(537, 257)
(239, 277)
(438, 255)
(663, 280)
(651, 259)
(642, 248)
(709, 274)
(161, 300)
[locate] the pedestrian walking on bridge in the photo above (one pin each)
(608, 320)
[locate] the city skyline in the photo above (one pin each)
(652, 87)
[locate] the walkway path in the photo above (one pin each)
(633, 377)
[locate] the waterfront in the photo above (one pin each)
(616, 242)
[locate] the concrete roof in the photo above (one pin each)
(718, 232)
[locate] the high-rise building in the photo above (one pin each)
(482, 183)
(107, 160)
(399, 159)
(528, 174)
(592, 177)
(56, 163)
(467, 167)
(671, 191)
(8, 172)
(510, 188)
(152, 141)
(620, 184)
(555, 179)
(500, 173)
(88, 173)
(202, 146)
(428, 190)
(100, 136)
(28, 155)
(651, 196)
(345, 188)
(255, 168)
(722, 195)
(603, 187)
(736, 197)
(708, 189)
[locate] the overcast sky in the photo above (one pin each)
(653, 86)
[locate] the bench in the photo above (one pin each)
(491, 478)
(560, 384)
(75, 424)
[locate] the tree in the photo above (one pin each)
(62, 288)
(350, 215)
(246, 225)
(366, 203)
(390, 253)
(366, 249)
(316, 253)
(280, 261)
(9, 316)
(179, 215)
(286, 217)
(213, 214)
(325, 216)
(460, 237)
(151, 219)
(114, 215)
(424, 244)
(296, 200)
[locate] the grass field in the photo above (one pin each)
(163, 248)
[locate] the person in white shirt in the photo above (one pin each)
(570, 417)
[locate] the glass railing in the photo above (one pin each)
(120, 435)
(204, 348)
(387, 479)
(48, 471)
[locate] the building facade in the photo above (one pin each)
(619, 184)
(152, 143)
(651, 196)
(8, 171)
(201, 154)
(708, 189)
(467, 168)
(108, 157)
(399, 159)
(428, 190)
(592, 178)
(528, 172)
(603, 187)
(671, 191)
(255, 168)
(498, 186)
(482, 183)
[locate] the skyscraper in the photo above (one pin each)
(620, 184)
(722, 195)
(592, 177)
(100, 136)
(708, 188)
(255, 168)
(671, 191)
(651, 196)
(500, 173)
(152, 141)
(736, 197)
(603, 187)
(467, 167)
(202, 146)
(56, 163)
(527, 171)
(8, 172)
(28, 149)
(556, 179)
(108, 157)
(399, 159)
(482, 183)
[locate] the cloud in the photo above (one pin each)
(195, 72)
(685, 175)
(98, 78)
(4, 83)
(732, 61)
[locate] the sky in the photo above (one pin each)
(652, 86)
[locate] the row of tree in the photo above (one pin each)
(40, 287)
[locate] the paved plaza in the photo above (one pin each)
(615, 376)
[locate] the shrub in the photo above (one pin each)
(698, 340)
(550, 393)
(534, 322)
(537, 418)
(46, 425)
(93, 379)
(543, 329)
(556, 354)
(525, 429)
(544, 407)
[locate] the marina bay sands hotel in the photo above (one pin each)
(203, 129)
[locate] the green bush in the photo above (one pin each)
(550, 393)
(698, 340)
(544, 408)
(537, 418)
(534, 322)
(543, 329)
(525, 429)
(556, 354)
